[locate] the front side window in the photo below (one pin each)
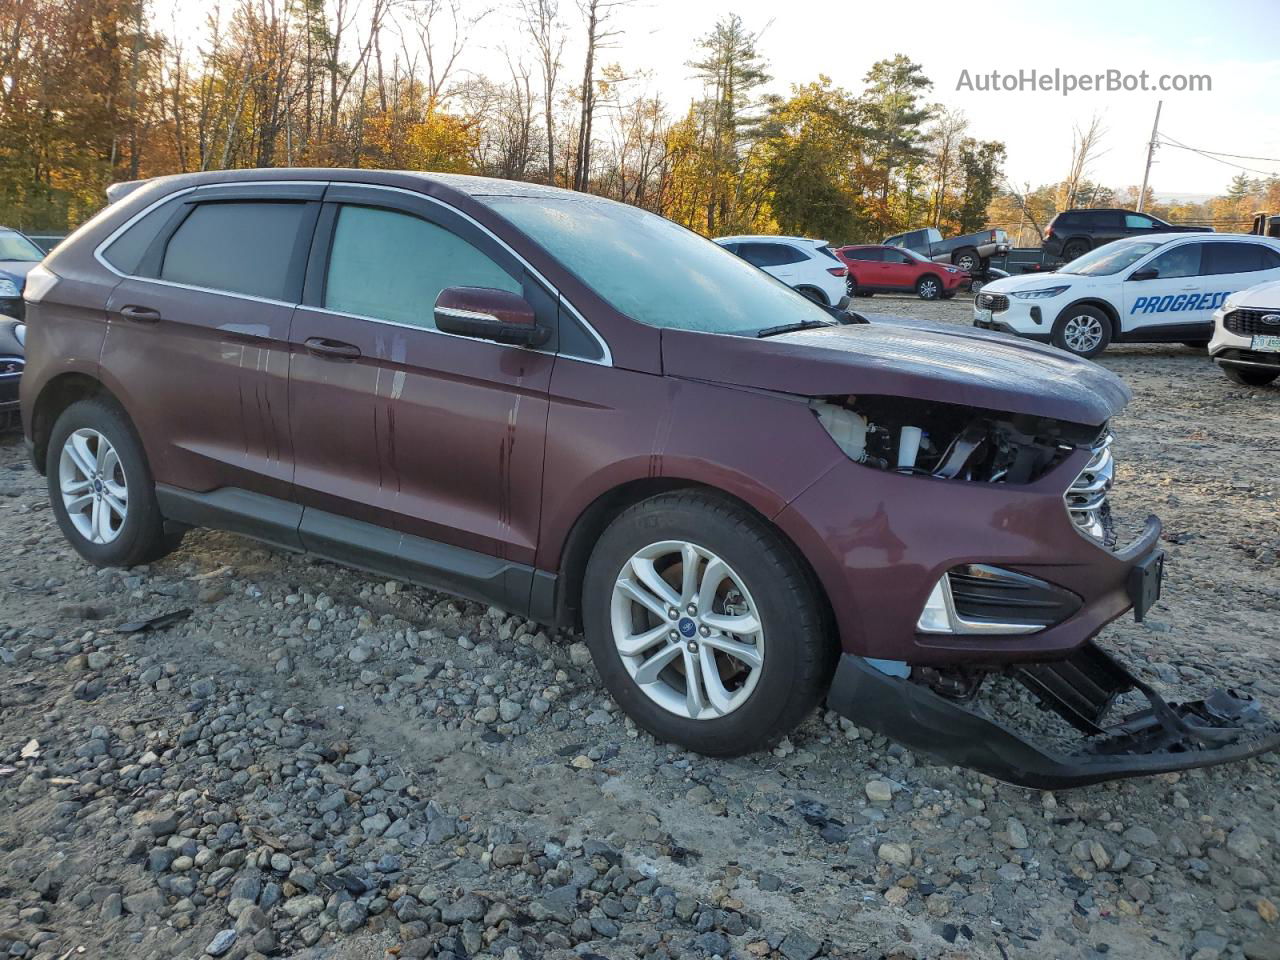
(1110, 258)
(389, 265)
(653, 270)
(237, 246)
(1181, 261)
(1225, 257)
(1135, 221)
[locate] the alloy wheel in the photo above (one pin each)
(95, 491)
(687, 630)
(1082, 333)
(928, 289)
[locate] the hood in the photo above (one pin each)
(1265, 296)
(961, 365)
(1033, 281)
(17, 270)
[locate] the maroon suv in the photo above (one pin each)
(586, 414)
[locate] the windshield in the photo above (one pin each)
(656, 271)
(14, 246)
(1111, 258)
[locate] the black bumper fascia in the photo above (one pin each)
(958, 733)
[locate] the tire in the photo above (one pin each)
(812, 294)
(928, 287)
(1075, 248)
(1084, 331)
(1195, 344)
(1249, 376)
(99, 533)
(796, 652)
(966, 258)
(866, 293)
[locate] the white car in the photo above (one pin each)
(805, 264)
(1246, 335)
(1162, 288)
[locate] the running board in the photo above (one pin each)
(1222, 728)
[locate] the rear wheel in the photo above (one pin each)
(812, 294)
(704, 626)
(928, 287)
(1084, 331)
(101, 489)
(1250, 376)
(966, 259)
(1075, 248)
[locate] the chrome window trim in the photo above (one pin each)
(605, 361)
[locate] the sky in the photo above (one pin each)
(1235, 42)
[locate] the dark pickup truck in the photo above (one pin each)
(972, 252)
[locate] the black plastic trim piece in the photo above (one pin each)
(922, 720)
(238, 511)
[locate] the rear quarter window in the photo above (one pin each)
(126, 251)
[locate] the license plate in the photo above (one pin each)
(1144, 584)
(1266, 344)
(984, 316)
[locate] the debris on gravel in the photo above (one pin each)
(321, 765)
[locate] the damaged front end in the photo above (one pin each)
(935, 707)
(938, 713)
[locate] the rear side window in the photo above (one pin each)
(126, 251)
(1222, 257)
(872, 256)
(391, 266)
(828, 251)
(770, 254)
(239, 247)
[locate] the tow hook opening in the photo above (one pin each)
(937, 712)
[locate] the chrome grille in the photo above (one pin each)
(995, 302)
(1248, 323)
(1086, 498)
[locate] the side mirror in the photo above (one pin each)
(489, 314)
(1148, 274)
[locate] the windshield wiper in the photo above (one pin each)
(793, 327)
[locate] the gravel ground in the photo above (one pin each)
(321, 765)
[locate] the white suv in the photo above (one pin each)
(1246, 335)
(807, 265)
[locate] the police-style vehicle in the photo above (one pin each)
(1162, 288)
(1246, 335)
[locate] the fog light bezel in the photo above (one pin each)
(940, 615)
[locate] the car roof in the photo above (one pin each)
(1203, 238)
(765, 238)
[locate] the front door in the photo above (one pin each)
(433, 439)
(1180, 297)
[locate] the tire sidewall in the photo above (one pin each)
(775, 605)
(1060, 325)
(142, 514)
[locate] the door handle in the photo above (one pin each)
(332, 349)
(140, 314)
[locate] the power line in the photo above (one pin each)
(1210, 155)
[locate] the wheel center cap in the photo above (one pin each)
(687, 627)
(97, 485)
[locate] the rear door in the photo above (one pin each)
(1105, 226)
(198, 331)
(424, 439)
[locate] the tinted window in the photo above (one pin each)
(1181, 261)
(1067, 220)
(770, 254)
(1136, 221)
(653, 270)
(392, 266)
(828, 251)
(1222, 257)
(1105, 220)
(126, 251)
(873, 256)
(241, 247)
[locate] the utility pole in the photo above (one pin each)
(1151, 152)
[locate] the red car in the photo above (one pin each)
(878, 269)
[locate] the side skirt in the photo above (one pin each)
(516, 587)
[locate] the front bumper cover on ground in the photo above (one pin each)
(1222, 728)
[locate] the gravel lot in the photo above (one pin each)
(321, 765)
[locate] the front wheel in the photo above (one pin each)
(1084, 331)
(1250, 376)
(704, 626)
(928, 288)
(100, 487)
